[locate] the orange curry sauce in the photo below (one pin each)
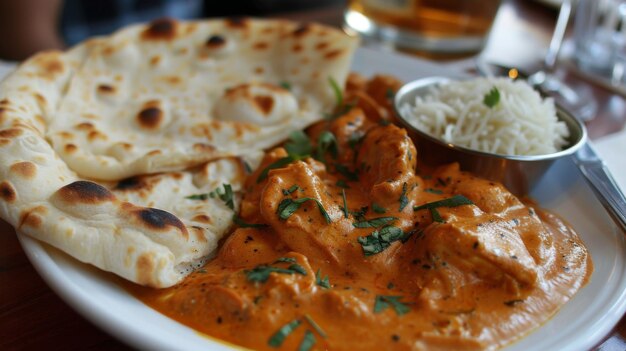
(459, 277)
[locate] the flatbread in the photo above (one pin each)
(175, 103)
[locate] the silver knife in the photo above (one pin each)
(599, 177)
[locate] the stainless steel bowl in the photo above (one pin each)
(518, 173)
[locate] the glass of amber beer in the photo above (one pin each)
(431, 26)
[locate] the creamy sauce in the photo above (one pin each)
(465, 277)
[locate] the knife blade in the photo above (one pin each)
(596, 173)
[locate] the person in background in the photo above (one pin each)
(29, 26)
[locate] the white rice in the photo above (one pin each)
(521, 123)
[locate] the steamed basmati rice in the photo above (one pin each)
(521, 123)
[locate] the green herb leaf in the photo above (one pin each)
(262, 273)
(280, 163)
(342, 184)
(277, 339)
(360, 214)
(290, 190)
(285, 85)
(297, 268)
(382, 302)
(347, 173)
(389, 94)
(299, 144)
(285, 259)
(227, 195)
(326, 142)
(492, 98)
(403, 199)
(379, 240)
(315, 326)
(456, 200)
(374, 222)
(247, 167)
(288, 206)
(323, 282)
(307, 342)
(345, 203)
(337, 90)
(238, 221)
(378, 209)
(434, 191)
(355, 139)
(198, 196)
(436, 216)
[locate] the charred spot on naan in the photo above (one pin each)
(202, 218)
(106, 89)
(7, 192)
(237, 22)
(84, 192)
(132, 183)
(70, 148)
(161, 29)
(151, 116)
(215, 41)
(25, 169)
(10, 133)
(158, 220)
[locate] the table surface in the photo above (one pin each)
(33, 317)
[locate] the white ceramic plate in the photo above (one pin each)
(581, 324)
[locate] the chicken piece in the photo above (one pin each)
(306, 229)
(484, 245)
(489, 196)
(382, 89)
(387, 159)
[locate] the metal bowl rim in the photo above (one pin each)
(562, 115)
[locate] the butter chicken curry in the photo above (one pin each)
(344, 242)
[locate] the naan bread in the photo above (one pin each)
(172, 105)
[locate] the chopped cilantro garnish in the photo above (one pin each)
(389, 94)
(247, 167)
(277, 339)
(262, 272)
(374, 222)
(326, 143)
(345, 203)
(456, 200)
(288, 206)
(298, 144)
(323, 282)
(434, 191)
(315, 326)
(403, 199)
(307, 342)
(342, 184)
(238, 221)
(298, 147)
(226, 196)
(280, 163)
(285, 259)
(290, 190)
(379, 240)
(337, 90)
(285, 85)
(360, 214)
(378, 209)
(346, 172)
(492, 98)
(355, 139)
(198, 196)
(382, 302)
(297, 268)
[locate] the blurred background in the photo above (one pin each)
(28, 26)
